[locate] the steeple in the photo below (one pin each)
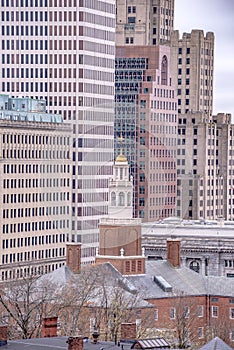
(120, 190)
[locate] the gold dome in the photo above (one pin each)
(121, 158)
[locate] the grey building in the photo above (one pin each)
(207, 247)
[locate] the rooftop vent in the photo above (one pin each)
(162, 283)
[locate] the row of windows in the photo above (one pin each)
(33, 241)
(34, 154)
(158, 201)
(38, 3)
(35, 226)
(23, 139)
(31, 30)
(35, 197)
(39, 73)
(35, 169)
(24, 16)
(28, 212)
(159, 213)
(33, 255)
(29, 271)
(35, 183)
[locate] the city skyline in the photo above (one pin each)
(206, 16)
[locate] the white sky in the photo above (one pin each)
(216, 16)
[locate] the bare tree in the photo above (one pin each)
(25, 302)
(184, 321)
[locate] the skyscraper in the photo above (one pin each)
(205, 167)
(146, 118)
(63, 52)
(192, 59)
(144, 22)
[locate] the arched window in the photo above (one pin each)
(194, 265)
(113, 199)
(121, 199)
(129, 199)
(164, 68)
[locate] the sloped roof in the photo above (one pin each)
(216, 344)
(181, 279)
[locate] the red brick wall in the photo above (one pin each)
(114, 237)
(3, 335)
(173, 252)
(128, 331)
(73, 257)
(126, 265)
(49, 327)
(75, 343)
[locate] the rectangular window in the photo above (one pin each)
(214, 311)
(200, 311)
(232, 313)
(172, 313)
(156, 314)
(200, 332)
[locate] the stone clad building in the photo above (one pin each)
(192, 59)
(206, 247)
(35, 188)
(205, 167)
(148, 22)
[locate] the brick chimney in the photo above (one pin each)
(49, 327)
(73, 257)
(128, 331)
(3, 335)
(75, 343)
(173, 252)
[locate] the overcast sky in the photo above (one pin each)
(216, 16)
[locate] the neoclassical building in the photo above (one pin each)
(207, 247)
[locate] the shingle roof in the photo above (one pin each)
(216, 344)
(55, 344)
(181, 279)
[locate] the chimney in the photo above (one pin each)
(49, 327)
(128, 331)
(75, 343)
(3, 335)
(173, 252)
(73, 259)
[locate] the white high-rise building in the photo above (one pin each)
(63, 52)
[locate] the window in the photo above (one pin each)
(172, 313)
(232, 335)
(164, 67)
(156, 314)
(131, 19)
(186, 312)
(200, 332)
(214, 311)
(113, 199)
(121, 199)
(200, 311)
(232, 313)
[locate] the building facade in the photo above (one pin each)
(148, 22)
(206, 246)
(146, 121)
(35, 187)
(192, 59)
(205, 167)
(51, 49)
